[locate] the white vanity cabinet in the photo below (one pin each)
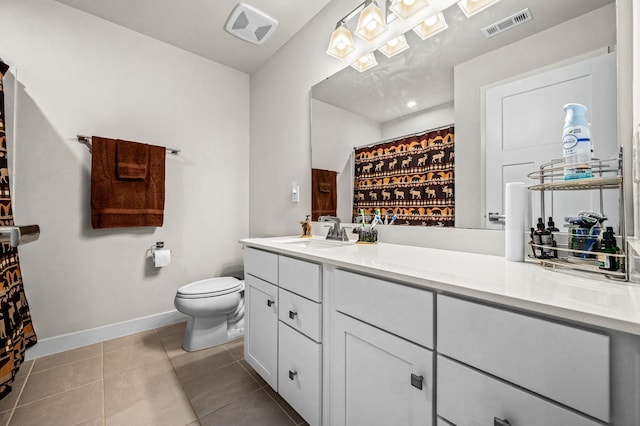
(510, 366)
(261, 313)
(381, 367)
(283, 327)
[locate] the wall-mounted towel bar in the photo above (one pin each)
(17, 235)
(86, 140)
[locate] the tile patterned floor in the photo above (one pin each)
(144, 379)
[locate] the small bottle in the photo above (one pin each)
(576, 143)
(607, 248)
(535, 239)
(306, 228)
(551, 225)
(546, 239)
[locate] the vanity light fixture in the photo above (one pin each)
(471, 7)
(371, 22)
(395, 46)
(406, 8)
(431, 26)
(341, 43)
(365, 62)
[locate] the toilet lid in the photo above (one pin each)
(210, 287)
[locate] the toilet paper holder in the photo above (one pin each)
(163, 260)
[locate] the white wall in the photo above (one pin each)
(538, 51)
(334, 134)
(78, 74)
(432, 118)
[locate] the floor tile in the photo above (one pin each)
(67, 408)
(218, 388)
(131, 357)
(4, 417)
(56, 360)
(236, 348)
(284, 405)
(172, 330)
(61, 379)
(194, 364)
(96, 421)
(150, 395)
(145, 337)
(9, 401)
(256, 408)
(173, 344)
(249, 369)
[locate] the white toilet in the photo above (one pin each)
(215, 307)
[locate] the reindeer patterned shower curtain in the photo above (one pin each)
(410, 177)
(16, 329)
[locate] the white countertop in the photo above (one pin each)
(595, 301)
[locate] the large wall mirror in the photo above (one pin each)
(445, 79)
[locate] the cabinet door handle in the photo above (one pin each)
(416, 381)
(292, 374)
(292, 314)
(500, 422)
(270, 302)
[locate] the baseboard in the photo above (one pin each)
(65, 342)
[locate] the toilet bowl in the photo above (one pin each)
(215, 309)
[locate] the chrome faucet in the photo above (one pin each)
(335, 233)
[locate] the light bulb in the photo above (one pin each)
(410, 2)
(341, 45)
(430, 22)
(364, 59)
(394, 42)
(411, 104)
(372, 25)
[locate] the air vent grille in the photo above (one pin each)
(250, 24)
(506, 23)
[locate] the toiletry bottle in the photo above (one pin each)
(551, 225)
(547, 240)
(576, 143)
(535, 239)
(306, 228)
(607, 248)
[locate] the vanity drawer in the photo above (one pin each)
(300, 277)
(469, 397)
(563, 363)
(261, 264)
(302, 314)
(402, 310)
(300, 373)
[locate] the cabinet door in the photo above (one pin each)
(300, 370)
(261, 328)
(378, 378)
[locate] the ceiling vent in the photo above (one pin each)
(507, 23)
(250, 24)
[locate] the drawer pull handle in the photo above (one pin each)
(500, 422)
(292, 314)
(270, 302)
(416, 381)
(292, 374)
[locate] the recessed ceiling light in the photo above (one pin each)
(411, 104)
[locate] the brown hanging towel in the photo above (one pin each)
(123, 196)
(324, 197)
(16, 328)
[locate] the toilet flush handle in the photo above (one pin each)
(270, 302)
(292, 314)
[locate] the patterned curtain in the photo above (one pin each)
(16, 329)
(410, 177)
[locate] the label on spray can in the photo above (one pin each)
(576, 144)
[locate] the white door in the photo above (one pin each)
(523, 129)
(378, 378)
(261, 328)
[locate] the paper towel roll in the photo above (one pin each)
(161, 257)
(515, 204)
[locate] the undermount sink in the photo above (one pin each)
(314, 243)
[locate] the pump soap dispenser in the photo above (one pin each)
(306, 228)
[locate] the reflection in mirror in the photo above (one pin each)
(447, 77)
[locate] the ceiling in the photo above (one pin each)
(198, 25)
(424, 73)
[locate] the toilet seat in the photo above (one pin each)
(210, 287)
